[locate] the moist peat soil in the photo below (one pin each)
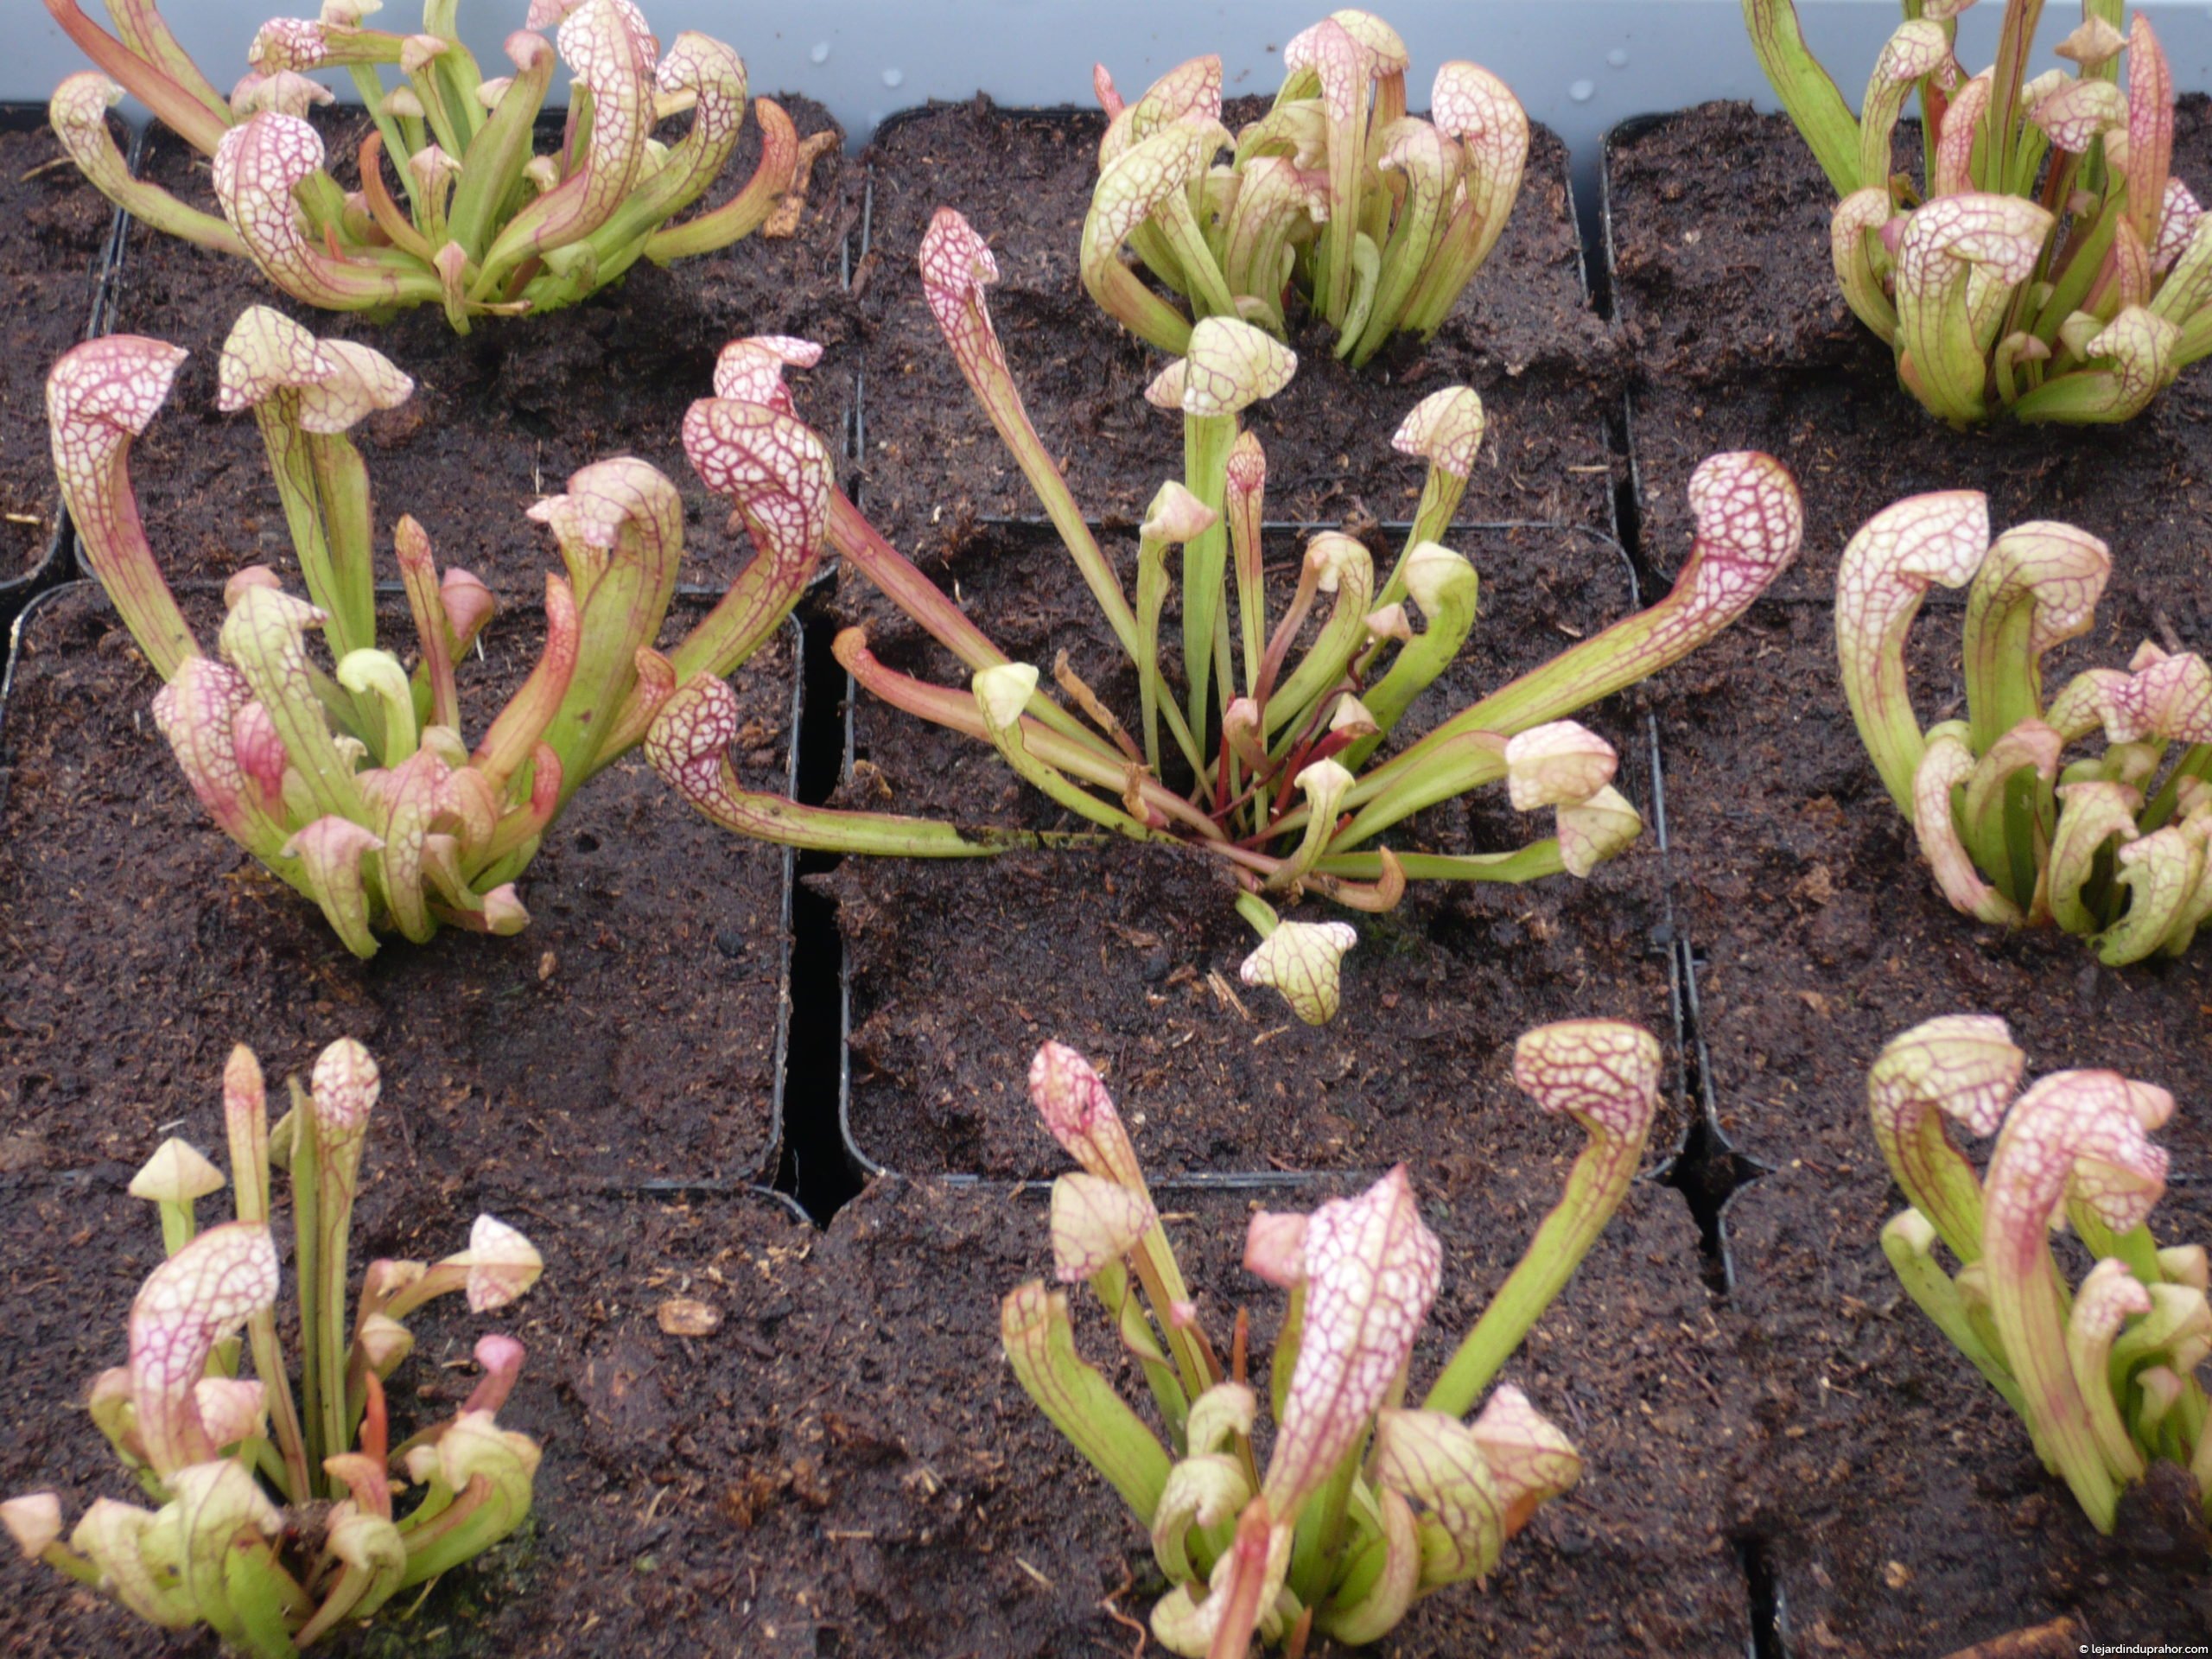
(1523, 335)
(54, 230)
(1130, 953)
(632, 1031)
(502, 416)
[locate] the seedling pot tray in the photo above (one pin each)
(1523, 335)
(633, 1030)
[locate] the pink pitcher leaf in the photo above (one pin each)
(434, 628)
(1918, 49)
(2079, 113)
(1478, 113)
(1039, 1346)
(199, 1297)
(263, 638)
(2141, 351)
(303, 43)
(1230, 365)
(709, 76)
(501, 1359)
(1592, 831)
(1445, 429)
(1303, 961)
(751, 370)
(1102, 87)
(256, 169)
(1435, 1460)
(2074, 1137)
(1947, 764)
(147, 63)
(1749, 525)
(260, 751)
(197, 711)
(177, 1172)
(231, 1409)
(445, 884)
(1959, 262)
(330, 851)
(2161, 872)
(1602, 1073)
(1954, 147)
(1962, 1066)
(1343, 66)
(34, 1520)
(284, 92)
(1530, 1461)
(99, 395)
(2167, 697)
(115, 1536)
(515, 733)
(2179, 215)
(781, 477)
(2110, 1295)
(2093, 44)
(1095, 1223)
(78, 112)
(1188, 95)
(1562, 762)
(2029, 746)
(1146, 188)
(2149, 128)
(1274, 1248)
(344, 1087)
(470, 605)
(1372, 1270)
(1203, 1489)
(1886, 571)
(1240, 1597)
(410, 807)
(468, 805)
(1078, 1113)
(2038, 588)
(604, 54)
(1862, 214)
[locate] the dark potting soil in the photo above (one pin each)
(1832, 410)
(1522, 335)
(53, 235)
(630, 1031)
(959, 1523)
(502, 416)
(1130, 953)
(660, 1451)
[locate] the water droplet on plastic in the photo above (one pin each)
(894, 77)
(821, 53)
(1618, 57)
(1583, 91)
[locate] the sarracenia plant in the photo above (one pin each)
(275, 1520)
(2113, 845)
(1378, 217)
(486, 224)
(2102, 1373)
(2048, 264)
(354, 784)
(1366, 1504)
(1279, 744)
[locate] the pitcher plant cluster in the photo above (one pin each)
(1366, 1503)
(1258, 751)
(480, 222)
(1377, 219)
(277, 1515)
(2102, 1372)
(2047, 265)
(2113, 845)
(353, 783)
